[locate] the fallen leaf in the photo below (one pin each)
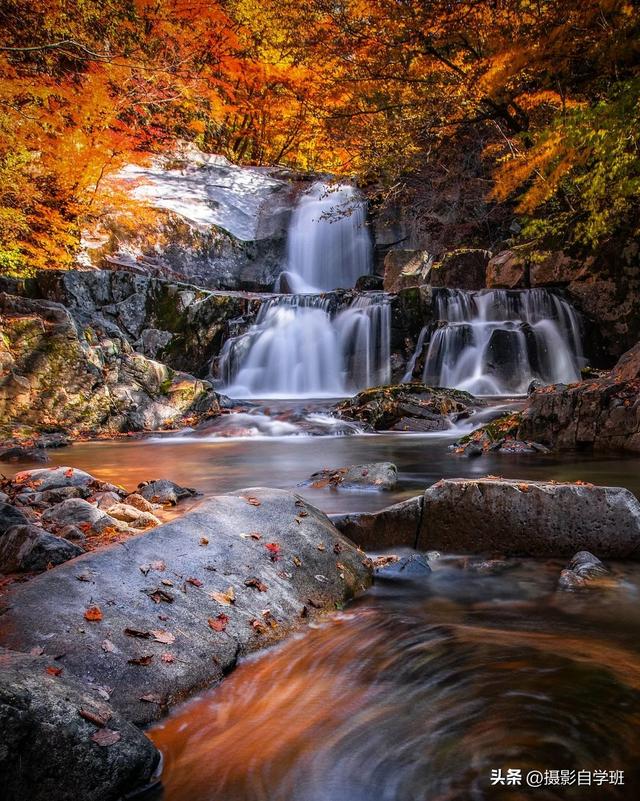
(303, 513)
(159, 595)
(218, 623)
(158, 565)
(141, 660)
(69, 472)
(194, 581)
(83, 577)
(143, 635)
(254, 501)
(93, 614)
(144, 569)
(53, 671)
(150, 698)
(321, 546)
(167, 582)
(99, 717)
(106, 737)
(160, 635)
(338, 548)
(274, 550)
(225, 598)
(108, 646)
(258, 625)
(168, 658)
(204, 541)
(296, 561)
(269, 618)
(254, 581)
(37, 650)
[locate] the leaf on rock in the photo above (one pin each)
(297, 561)
(108, 647)
(225, 598)
(143, 635)
(160, 635)
(321, 546)
(254, 501)
(37, 650)
(143, 661)
(106, 737)
(274, 550)
(218, 623)
(204, 541)
(194, 581)
(254, 581)
(69, 472)
(99, 717)
(53, 671)
(258, 625)
(159, 595)
(158, 565)
(168, 658)
(93, 614)
(150, 698)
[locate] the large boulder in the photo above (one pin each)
(52, 728)
(461, 269)
(555, 268)
(405, 268)
(87, 379)
(30, 548)
(601, 413)
(407, 407)
(80, 513)
(530, 518)
(391, 527)
(172, 611)
(507, 270)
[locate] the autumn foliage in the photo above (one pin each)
(546, 92)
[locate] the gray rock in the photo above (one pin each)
(412, 566)
(21, 454)
(164, 492)
(389, 528)
(11, 516)
(161, 585)
(78, 512)
(105, 500)
(530, 518)
(47, 748)
(139, 502)
(583, 568)
(27, 548)
(48, 479)
(132, 516)
(376, 475)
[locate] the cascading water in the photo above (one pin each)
(298, 348)
(328, 244)
(307, 345)
(496, 342)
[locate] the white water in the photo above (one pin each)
(298, 348)
(496, 342)
(328, 244)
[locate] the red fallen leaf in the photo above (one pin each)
(150, 698)
(93, 614)
(69, 472)
(274, 550)
(53, 671)
(303, 513)
(165, 637)
(523, 487)
(269, 618)
(142, 660)
(218, 623)
(258, 625)
(254, 501)
(99, 717)
(204, 541)
(168, 658)
(195, 581)
(143, 635)
(253, 581)
(159, 595)
(106, 737)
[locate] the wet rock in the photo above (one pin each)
(530, 518)
(80, 513)
(534, 385)
(461, 269)
(21, 454)
(382, 408)
(44, 479)
(138, 502)
(389, 528)
(164, 492)
(409, 566)
(11, 516)
(105, 500)
(182, 585)
(583, 569)
(599, 414)
(132, 516)
(404, 268)
(375, 475)
(369, 283)
(29, 548)
(507, 270)
(48, 751)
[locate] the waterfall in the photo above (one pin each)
(328, 244)
(299, 348)
(496, 342)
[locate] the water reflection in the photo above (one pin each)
(420, 690)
